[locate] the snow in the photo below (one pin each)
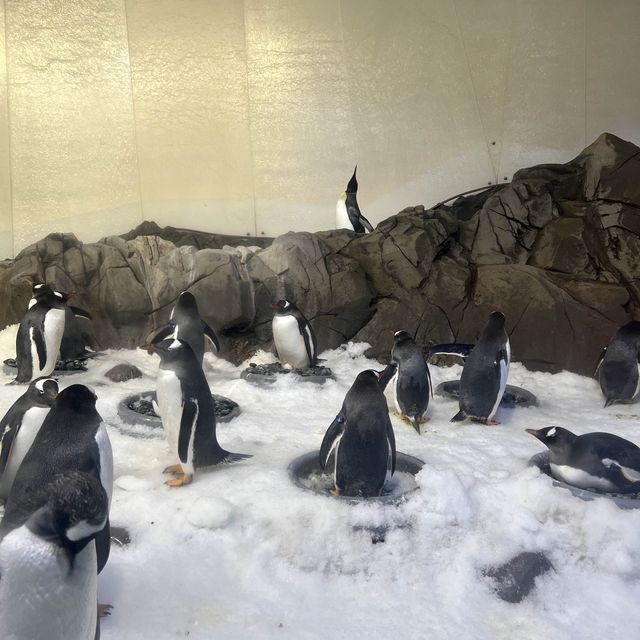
(244, 553)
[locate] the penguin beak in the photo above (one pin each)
(535, 433)
(274, 305)
(28, 282)
(71, 295)
(151, 348)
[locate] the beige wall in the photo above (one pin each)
(248, 116)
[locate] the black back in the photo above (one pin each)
(413, 384)
(358, 221)
(618, 371)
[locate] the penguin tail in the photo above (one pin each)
(608, 402)
(230, 458)
(459, 417)
(415, 421)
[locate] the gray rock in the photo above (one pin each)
(514, 580)
(123, 372)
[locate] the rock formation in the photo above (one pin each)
(557, 250)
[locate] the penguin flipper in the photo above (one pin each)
(163, 333)
(210, 334)
(392, 445)
(335, 430)
(601, 359)
(309, 341)
(616, 474)
(187, 426)
(7, 441)
(366, 224)
(429, 379)
(103, 545)
(387, 375)
(459, 417)
(80, 313)
(41, 348)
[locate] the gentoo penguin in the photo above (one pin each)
(618, 371)
(592, 461)
(72, 437)
(186, 325)
(40, 334)
(348, 215)
(365, 446)
(484, 376)
(187, 412)
(20, 426)
(413, 381)
(48, 564)
(293, 336)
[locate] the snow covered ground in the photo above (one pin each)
(244, 554)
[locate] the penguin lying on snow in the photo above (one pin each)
(363, 438)
(20, 426)
(72, 437)
(597, 460)
(348, 215)
(293, 336)
(40, 334)
(187, 325)
(413, 380)
(48, 564)
(187, 412)
(485, 372)
(618, 370)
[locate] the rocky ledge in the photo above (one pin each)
(557, 250)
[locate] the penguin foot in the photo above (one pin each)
(335, 492)
(424, 419)
(173, 468)
(487, 421)
(180, 481)
(104, 610)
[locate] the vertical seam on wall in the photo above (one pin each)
(249, 122)
(133, 111)
(475, 94)
(585, 73)
(9, 145)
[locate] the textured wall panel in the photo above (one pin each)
(418, 131)
(544, 106)
(72, 138)
(301, 126)
(613, 59)
(190, 95)
(6, 217)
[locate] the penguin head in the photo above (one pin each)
(630, 333)
(283, 307)
(402, 337)
(352, 186)
(185, 307)
(77, 397)
(76, 509)
(367, 378)
(494, 328)
(43, 391)
(556, 438)
(171, 351)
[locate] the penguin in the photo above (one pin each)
(187, 412)
(48, 564)
(485, 372)
(187, 325)
(40, 334)
(20, 426)
(363, 438)
(412, 382)
(73, 437)
(293, 336)
(619, 369)
(596, 460)
(348, 215)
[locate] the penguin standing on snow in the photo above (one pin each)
(413, 381)
(618, 371)
(187, 412)
(49, 584)
(187, 325)
(20, 426)
(40, 334)
(363, 438)
(293, 336)
(72, 437)
(484, 376)
(348, 215)
(597, 460)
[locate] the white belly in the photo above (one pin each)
(342, 217)
(39, 598)
(106, 460)
(31, 423)
(580, 479)
(169, 399)
(53, 331)
(289, 342)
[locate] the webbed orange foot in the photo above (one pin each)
(180, 481)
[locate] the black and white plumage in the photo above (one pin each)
(293, 337)
(412, 384)
(485, 372)
(619, 369)
(187, 325)
(48, 564)
(601, 461)
(348, 214)
(20, 426)
(73, 437)
(363, 439)
(40, 334)
(187, 411)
